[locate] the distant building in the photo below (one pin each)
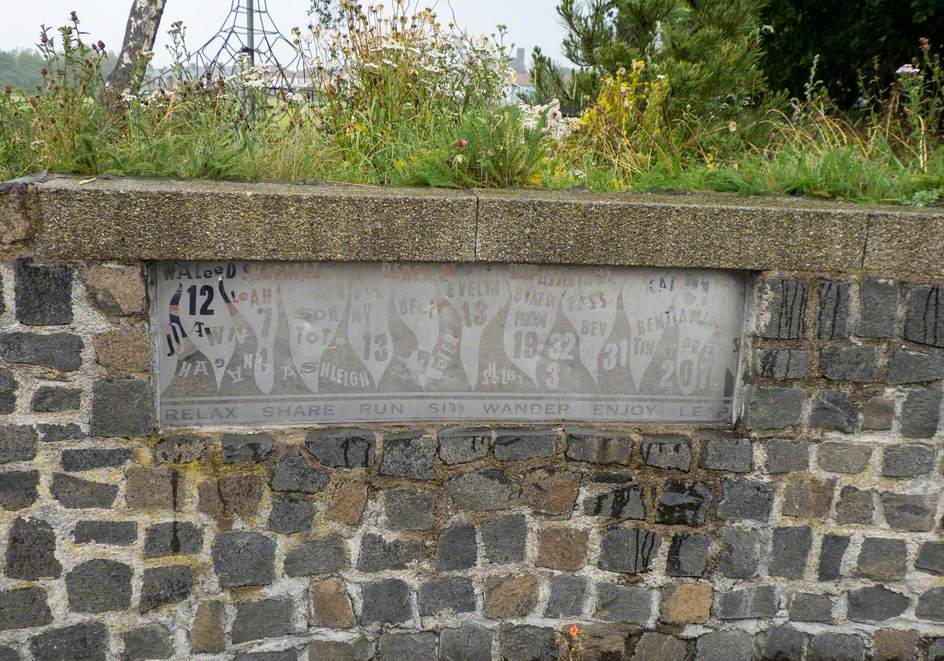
(522, 86)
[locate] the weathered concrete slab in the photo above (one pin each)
(652, 230)
(136, 219)
(906, 244)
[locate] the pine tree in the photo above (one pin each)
(708, 49)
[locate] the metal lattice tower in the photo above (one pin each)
(250, 31)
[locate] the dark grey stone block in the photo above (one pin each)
(854, 363)
(147, 642)
(86, 641)
(931, 605)
(452, 594)
(878, 308)
(56, 433)
(838, 457)
(783, 643)
(523, 642)
(745, 499)
(99, 586)
(730, 645)
(245, 447)
(43, 293)
(724, 452)
(931, 558)
(243, 558)
(76, 493)
(58, 351)
(566, 596)
(770, 407)
(667, 451)
(293, 473)
(747, 603)
(18, 489)
(121, 407)
(22, 608)
(855, 506)
(324, 555)
(782, 363)
(831, 550)
(878, 413)
(911, 512)
(625, 503)
(623, 603)
(470, 642)
(481, 490)
(740, 553)
(161, 586)
(7, 392)
(597, 447)
(172, 538)
(342, 448)
(683, 503)
(882, 559)
(385, 602)
(264, 618)
(809, 607)
(688, 555)
(87, 459)
(789, 550)
(628, 550)
(409, 509)
(31, 550)
(875, 603)
(112, 533)
(921, 412)
(834, 411)
(409, 455)
(378, 554)
(832, 317)
(17, 443)
(456, 548)
(907, 460)
(914, 367)
(53, 399)
(402, 646)
(504, 538)
(460, 445)
(786, 305)
(518, 444)
(291, 515)
(786, 456)
(829, 646)
(924, 316)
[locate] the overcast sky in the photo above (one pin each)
(530, 22)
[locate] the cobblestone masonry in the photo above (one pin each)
(811, 529)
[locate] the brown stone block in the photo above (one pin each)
(231, 497)
(510, 596)
(895, 645)
(158, 488)
(206, 632)
(116, 289)
(347, 503)
(123, 349)
(330, 605)
(807, 497)
(686, 603)
(562, 548)
(551, 490)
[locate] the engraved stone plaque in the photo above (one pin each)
(258, 343)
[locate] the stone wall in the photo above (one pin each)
(811, 527)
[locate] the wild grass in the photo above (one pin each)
(403, 100)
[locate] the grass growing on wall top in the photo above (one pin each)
(404, 100)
